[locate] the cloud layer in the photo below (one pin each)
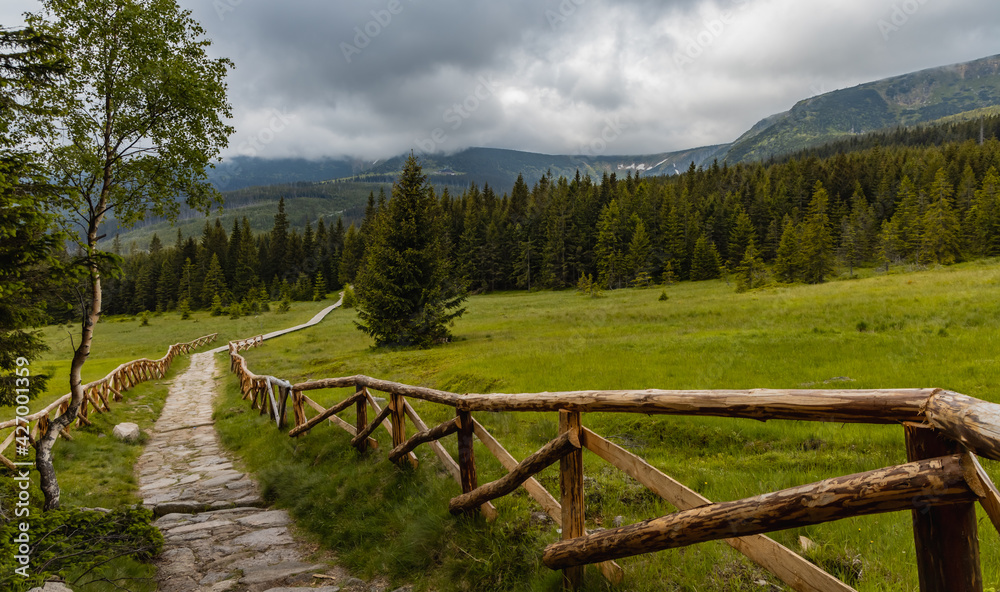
(375, 78)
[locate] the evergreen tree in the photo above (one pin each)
(155, 245)
(940, 224)
(277, 264)
(705, 261)
(352, 255)
(816, 238)
(857, 231)
(908, 219)
(214, 285)
(751, 272)
(609, 250)
(407, 291)
(983, 220)
(319, 288)
(166, 287)
(890, 245)
(740, 236)
(788, 258)
(639, 252)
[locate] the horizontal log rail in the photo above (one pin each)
(955, 479)
(934, 482)
(97, 394)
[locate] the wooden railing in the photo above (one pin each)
(97, 395)
(940, 483)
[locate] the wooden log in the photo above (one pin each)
(469, 479)
(361, 419)
(946, 538)
(398, 411)
(383, 414)
(282, 405)
(533, 487)
(937, 481)
(300, 412)
(790, 567)
(322, 416)
(571, 493)
(7, 463)
(988, 494)
(972, 422)
(450, 464)
(855, 406)
(385, 386)
(337, 421)
(436, 433)
(559, 447)
(386, 423)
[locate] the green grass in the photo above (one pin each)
(935, 328)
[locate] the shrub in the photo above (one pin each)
(350, 298)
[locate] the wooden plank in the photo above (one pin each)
(937, 481)
(609, 569)
(972, 422)
(422, 437)
(791, 568)
(548, 454)
(989, 497)
(325, 415)
(946, 537)
(571, 492)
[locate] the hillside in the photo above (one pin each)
(908, 100)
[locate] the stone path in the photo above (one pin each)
(217, 534)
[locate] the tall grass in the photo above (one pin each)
(936, 328)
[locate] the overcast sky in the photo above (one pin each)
(376, 78)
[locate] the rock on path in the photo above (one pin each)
(217, 534)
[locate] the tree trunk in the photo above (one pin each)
(48, 482)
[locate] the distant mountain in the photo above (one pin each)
(500, 168)
(902, 101)
(244, 171)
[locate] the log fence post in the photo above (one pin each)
(946, 537)
(571, 489)
(466, 455)
(397, 408)
(361, 422)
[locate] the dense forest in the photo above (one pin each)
(793, 220)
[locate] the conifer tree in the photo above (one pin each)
(639, 252)
(277, 264)
(788, 258)
(750, 273)
(740, 236)
(941, 232)
(983, 221)
(214, 285)
(319, 288)
(407, 290)
(816, 239)
(705, 261)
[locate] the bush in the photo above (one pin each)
(144, 319)
(74, 541)
(350, 298)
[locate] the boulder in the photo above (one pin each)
(52, 587)
(127, 432)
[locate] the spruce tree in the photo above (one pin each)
(788, 258)
(940, 224)
(983, 221)
(407, 290)
(816, 239)
(705, 261)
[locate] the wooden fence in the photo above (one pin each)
(940, 484)
(97, 395)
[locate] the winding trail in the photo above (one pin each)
(218, 534)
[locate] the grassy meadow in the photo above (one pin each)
(933, 328)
